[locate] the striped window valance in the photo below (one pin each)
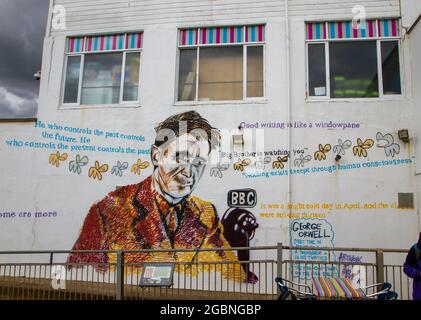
(345, 29)
(389, 28)
(221, 35)
(316, 31)
(134, 41)
(102, 43)
(75, 45)
(189, 37)
(255, 33)
(105, 43)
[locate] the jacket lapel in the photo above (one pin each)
(148, 227)
(191, 232)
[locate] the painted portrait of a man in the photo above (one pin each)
(161, 212)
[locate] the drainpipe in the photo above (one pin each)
(288, 96)
(49, 19)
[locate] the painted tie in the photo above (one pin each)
(172, 222)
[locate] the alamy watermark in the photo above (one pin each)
(59, 18)
(359, 17)
(58, 276)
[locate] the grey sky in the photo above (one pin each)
(22, 28)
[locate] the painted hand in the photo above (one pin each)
(252, 278)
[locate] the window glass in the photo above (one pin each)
(221, 73)
(187, 75)
(391, 68)
(100, 60)
(317, 69)
(131, 77)
(71, 86)
(102, 78)
(255, 71)
(353, 69)
(221, 63)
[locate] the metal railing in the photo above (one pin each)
(370, 266)
(46, 275)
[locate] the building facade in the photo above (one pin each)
(312, 98)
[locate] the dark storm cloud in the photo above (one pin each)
(22, 29)
(12, 106)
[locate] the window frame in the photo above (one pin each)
(82, 56)
(242, 44)
(378, 39)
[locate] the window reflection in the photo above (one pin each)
(317, 69)
(72, 80)
(390, 67)
(102, 78)
(131, 77)
(353, 69)
(255, 71)
(187, 75)
(221, 73)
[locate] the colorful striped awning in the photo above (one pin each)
(189, 37)
(222, 35)
(102, 43)
(328, 287)
(255, 33)
(389, 28)
(316, 31)
(105, 43)
(348, 30)
(134, 41)
(75, 45)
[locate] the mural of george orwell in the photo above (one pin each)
(161, 212)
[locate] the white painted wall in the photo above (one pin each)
(411, 9)
(96, 14)
(415, 42)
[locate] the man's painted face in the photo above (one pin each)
(180, 165)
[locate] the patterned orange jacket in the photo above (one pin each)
(129, 219)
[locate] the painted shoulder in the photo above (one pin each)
(117, 199)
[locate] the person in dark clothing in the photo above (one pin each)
(412, 268)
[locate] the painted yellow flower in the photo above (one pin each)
(321, 154)
(361, 148)
(139, 166)
(97, 171)
(55, 158)
(279, 163)
(241, 164)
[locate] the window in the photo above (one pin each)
(103, 69)
(221, 63)
(353, 69)
(348, 62)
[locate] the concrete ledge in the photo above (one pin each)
(20, 288)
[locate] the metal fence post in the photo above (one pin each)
(279, 263)
(279, 260)
(380, 265)
(120, 276)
